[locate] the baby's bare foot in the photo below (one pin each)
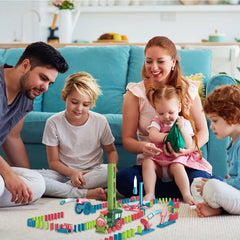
(148, 197)
(188, 199)
(97, 193)
(204, 210)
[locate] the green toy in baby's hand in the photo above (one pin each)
(174, 137)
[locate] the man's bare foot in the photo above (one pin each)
(148, 197)
(188, 199)
(204, 210)
(97, 193)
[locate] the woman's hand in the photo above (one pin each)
(150, 150)
(77, 178)
(173, 154)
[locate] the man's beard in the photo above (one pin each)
(26, 91)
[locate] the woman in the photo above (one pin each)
(161, 67)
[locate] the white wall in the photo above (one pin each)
(139, 27)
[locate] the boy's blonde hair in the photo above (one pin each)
(84, 83)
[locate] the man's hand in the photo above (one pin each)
(21, 193)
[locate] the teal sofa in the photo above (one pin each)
(114, 67)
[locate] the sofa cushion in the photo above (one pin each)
(34, 125)
(135, 64)
(106, 64)
(191, 61)
(196, 61)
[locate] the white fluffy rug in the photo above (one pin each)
(13, 223)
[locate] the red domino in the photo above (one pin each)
(51, 226)
(56, 226)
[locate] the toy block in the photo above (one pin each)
(79, 227)
(126, 219)
(37, 223)
(46, 225)
(41, 224)
(133, 199)
(111, 238)
(128, 233)
(119, 236)
(56, 226)
(132, 232)
(145, 231)
(29, 222)
(129, 218)
(165, 224)
(123, 220)
(173, 216)
(83, 227)
(177, 203)
(115, 236)
(51, 226)
(124, 235)
(62, 230)
(71, 228)
(86, 226)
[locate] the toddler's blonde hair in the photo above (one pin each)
(84, 83)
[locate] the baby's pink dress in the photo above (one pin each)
(191, 160)
(147, 112)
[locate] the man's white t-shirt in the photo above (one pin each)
(80, 147)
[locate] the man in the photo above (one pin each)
(36, 69)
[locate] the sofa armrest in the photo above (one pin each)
(219, 80)
(217, 154)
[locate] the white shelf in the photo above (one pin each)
(162, 8)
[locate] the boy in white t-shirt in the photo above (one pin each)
(74, 139)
